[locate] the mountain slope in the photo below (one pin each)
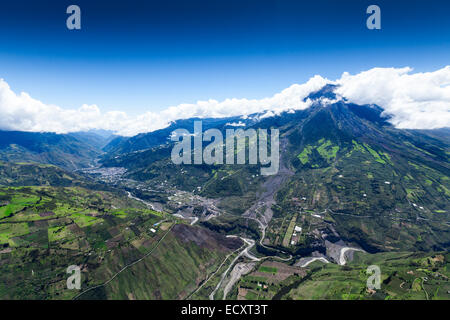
(64, 150)
(43, 230)
(156, 138)
(370, 178)
(377, 186)
(98, 139)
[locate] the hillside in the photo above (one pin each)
(64, 150)
(43, 230)
(379, 187)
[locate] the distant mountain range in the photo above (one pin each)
(121, 145)
(70, 151)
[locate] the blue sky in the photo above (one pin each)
(138, 56)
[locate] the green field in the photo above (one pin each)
(289, 231)
(268, 269)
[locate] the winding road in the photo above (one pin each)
(342, 260)
(250, 243)
(314, 259)
(148, 204)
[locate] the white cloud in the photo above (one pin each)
(415, 100)
(21, 112)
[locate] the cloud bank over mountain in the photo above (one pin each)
(414, 100)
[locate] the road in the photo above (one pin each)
(250, 243)
(238, 271)
(215, 272)
(312, 260)
(194, 219)
(342, 260)
(148, 204)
